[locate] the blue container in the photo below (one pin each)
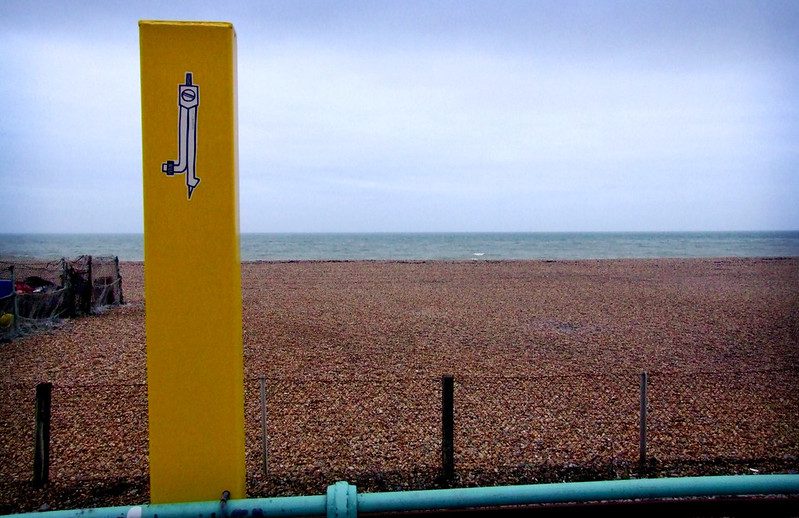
(6, 288)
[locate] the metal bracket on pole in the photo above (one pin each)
(342, 500)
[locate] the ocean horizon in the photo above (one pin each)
(449, 246)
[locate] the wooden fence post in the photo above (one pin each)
(121, 299)
(90, 302)
(16, 298)
(642, 428)
(41, 453)
(66, 284)
(447, 427)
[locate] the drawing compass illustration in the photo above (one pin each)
(188, 101)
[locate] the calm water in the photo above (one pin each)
(438, 246)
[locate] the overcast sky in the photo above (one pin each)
(425, 116)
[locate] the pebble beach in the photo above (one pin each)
(546, 356)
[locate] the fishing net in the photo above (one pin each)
(96, 282)
(35, 294)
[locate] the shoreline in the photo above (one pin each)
(26, 259)
(440, 246)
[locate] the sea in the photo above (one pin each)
(432, 246)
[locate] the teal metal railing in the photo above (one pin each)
(343, 501)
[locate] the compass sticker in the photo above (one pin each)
(188, 101)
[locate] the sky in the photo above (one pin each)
(403, 116)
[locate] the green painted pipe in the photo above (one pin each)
(342, 499)
(461, 498)
(256, 507)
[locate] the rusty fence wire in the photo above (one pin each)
(388, 429)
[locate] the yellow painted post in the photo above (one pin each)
(191, 256)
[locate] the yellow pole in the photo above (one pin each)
(191, 257)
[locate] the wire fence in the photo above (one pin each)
(386, 433)
(36, 294)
